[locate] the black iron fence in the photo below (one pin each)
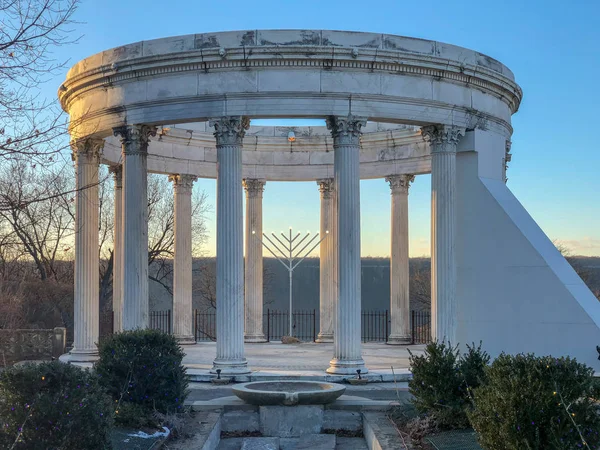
(375, 325)
(304, 325)
(160, 320)
(205, 325)
(420, 327)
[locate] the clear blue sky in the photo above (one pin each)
(553, 47)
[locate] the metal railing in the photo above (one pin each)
(375, 325)
(304, 325)
(160, 320)
(420, 327)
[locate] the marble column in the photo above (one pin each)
(443, 141)
(253, 292)
(399, 273)
(326, 256)
(86, 153)
(229, 133)
(117, 295)
(347, 357)
(182, 263)
(134, 140)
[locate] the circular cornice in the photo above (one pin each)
(383, 77)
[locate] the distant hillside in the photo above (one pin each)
(375, 283)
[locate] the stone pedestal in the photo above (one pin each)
(347, 356)
(443, 141)
(286, 421)
(182, 263)
(399, 270)
(117, 301)
(253, 293)
(229, 133)
(326, 265)
(86, 154)
(134, 139)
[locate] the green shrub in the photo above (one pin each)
(442, 381)
(53, 406)
(537, 403)
(142, 367)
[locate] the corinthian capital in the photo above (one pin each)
(90, 147)
(345, 130)
(117, 172)
(326, 187)
(230, 130)
(183, 183)
(254, 187)
(135, 138)
(443, 138)
(400, 183)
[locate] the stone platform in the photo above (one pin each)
(307, 361)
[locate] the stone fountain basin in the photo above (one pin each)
(288, 393)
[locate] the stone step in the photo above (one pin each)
(316, 442)
(260, 443)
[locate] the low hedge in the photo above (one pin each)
(443, 381)
(53, 406)
(142, 372)
(537, 403)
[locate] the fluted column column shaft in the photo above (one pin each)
(347, 356)
(86, 330)
(443, 141)
(229, 133)
(134, 139)
(253, 292)
(117, 172)
(399, 269)
(182, 264)
(326, 255)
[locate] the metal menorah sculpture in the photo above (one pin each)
(287, 253)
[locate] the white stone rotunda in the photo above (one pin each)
(395, 107)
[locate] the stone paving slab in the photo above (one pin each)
(346, 402)
(260, 443)
(276, 359)
(316, 442)
(229, 444)
(371, 391)
(345, 443)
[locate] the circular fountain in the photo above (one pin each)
(288, 393)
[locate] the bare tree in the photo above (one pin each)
(30, 31)
(420, 289)
(583, 272)
(42, 230)
(161, 236)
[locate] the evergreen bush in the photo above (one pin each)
(142, 371)
(537, 403)
(53, 406)
(443, 380)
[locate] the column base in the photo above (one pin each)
(324, 338)
(399, 340)
(185, 340)
(89, 355)
(255, 338)
(231, 367)
(346, 366)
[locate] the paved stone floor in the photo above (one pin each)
(373, 391)
(275, 356)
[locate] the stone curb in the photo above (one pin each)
(380, 433)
